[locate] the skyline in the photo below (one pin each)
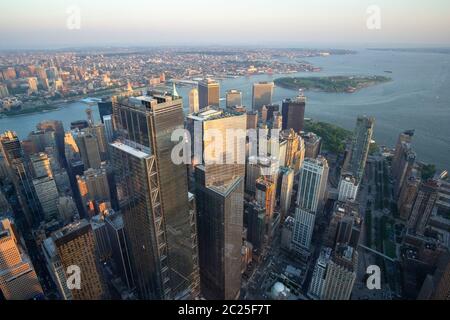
(44, 23)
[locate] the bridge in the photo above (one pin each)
(180, 81)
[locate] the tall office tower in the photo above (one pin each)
(262, 95)
(119, 247)
(104, 109)
(345, 225)
(153, 197)
(265, 195)
(348, 188)
(220, 228)
(75, 246)
(341, 274)
(21, 177)
(40, 164)
(295, 149)
(277, 121)
(360, 146)
(32, 85)
(40, 140)
(404, 139)
(109, 130)
(3, 91)
(264, 114)
(319, 274)
(98, 131)
(89, 149)
(210, 121)
(67, 209)
(233, 98)
(101, 238)
(94, 186)
(257, 167)
(18, 280)
(219, 192)
(71, 150)
(313, 184)
(313, 145)
(252, 120)
(407, 196)
(404, 165)
(194, 104)
(293, 111)
(423, 207)
(48, 196)
(255, 222)
(287, 186)
(310, 198)
(56, 269)
(57, 127)
(208, 93)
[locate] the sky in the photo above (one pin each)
(54, 23)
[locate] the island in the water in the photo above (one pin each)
(335, 84)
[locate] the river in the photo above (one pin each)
(417, 98)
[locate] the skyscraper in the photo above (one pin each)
(286, 190)
(48, 196)
(423, 207)
(310, 198)
(194, 104)
(219, 189)
(293, 112)
(94, 186)
(18, 280)
(341, 274)
(104, 109)
(348, 188)
(220, 226)
(319, 274)
(75, 246)
(233, 98)
(89, 149)
(208, 93)
(360, 147)
(153, 197)
(119, 247)
(262, 95)
(20, 175)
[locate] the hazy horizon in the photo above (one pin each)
(43, 24)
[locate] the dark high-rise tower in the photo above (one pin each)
(360, 148)
(219, 191)
(293, 113)
(153, 197)
(208, 93)
(20, 175)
